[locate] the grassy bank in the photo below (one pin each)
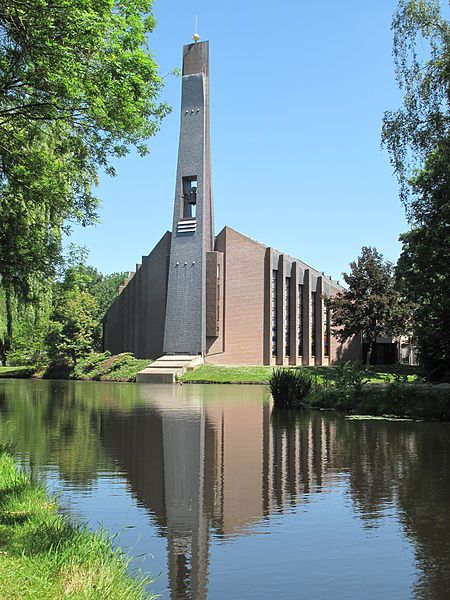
(94, 367)
(418, 401)
(45, 556)
(17, 372)
(124, 367)
(219, 374)
(353, 390)
(99, 367)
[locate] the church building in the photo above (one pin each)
(225, 297)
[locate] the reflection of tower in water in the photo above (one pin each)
(215, 467)
(184, 441)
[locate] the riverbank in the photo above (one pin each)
(411, 400)
(44, 555)
(124, 367)
(261, 375)
(17, 372)
(94, 367)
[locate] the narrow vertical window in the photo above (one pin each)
(300, 319)
(274, 312)
(313, 323)
(189, 185)
(287, 316)
(326, 330)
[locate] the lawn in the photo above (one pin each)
(219, 374)
(256, 374)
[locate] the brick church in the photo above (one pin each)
(225, 297)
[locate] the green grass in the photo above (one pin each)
(16, 372)
(220, 374)
(45, 556)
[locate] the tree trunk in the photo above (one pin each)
(369, 352)
(2, 353)
(9, 324)
(399, 352)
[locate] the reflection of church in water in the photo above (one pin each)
(205, 468)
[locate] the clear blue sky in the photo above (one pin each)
(298, 91)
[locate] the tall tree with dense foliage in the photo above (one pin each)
(80, 299)
(424, 267)
(72, 325)
(78, 86)
(417, 136)
(65, 320)
(369, 305)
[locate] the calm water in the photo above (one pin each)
(222, 497)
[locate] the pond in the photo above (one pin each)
(219, 496)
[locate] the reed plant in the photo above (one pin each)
(289, 387)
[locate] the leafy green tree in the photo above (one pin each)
(72, 325)
(45, 327)
(78, 86)
(3, 343)
(366, 306)
(102, 287)
(23, 327)
(105, 290)
(84, 63)
(80, 299)
(31, 322)
(424, 264)
(417, 136)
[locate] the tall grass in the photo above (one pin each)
(45, 556)
(289, 387)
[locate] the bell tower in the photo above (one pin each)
(193, 228)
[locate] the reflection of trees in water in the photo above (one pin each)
(424, 500)
(400, 464)
(55, 422)
(407, 464)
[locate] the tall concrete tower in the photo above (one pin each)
(193, 228)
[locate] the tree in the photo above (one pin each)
(105, 290)
(78, 86)
(366, 307)
(72, 325)
(80, 299)
(82, 63)
(423, 267)
(421, 53)
(417, 136)
(102, 287)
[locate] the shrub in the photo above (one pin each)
(89, 367)
(289, 387)
(342, 393)
(351, 375)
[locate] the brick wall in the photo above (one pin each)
(135, 320)
(244, 261)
